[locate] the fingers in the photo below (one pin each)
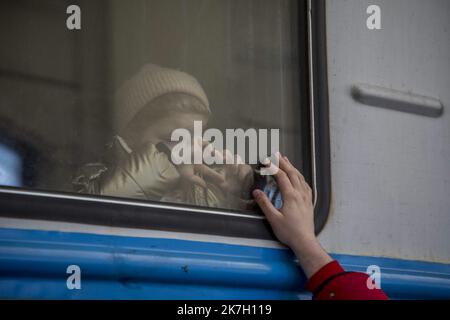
(271, 213)
(295, 175)
(226, 155)
(210, 174)
(187, 172)
(285, 185)
(292, 173)
(295, 171)
(290, 180)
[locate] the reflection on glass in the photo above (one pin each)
(152, 104)
(10, 167)
(136, 71)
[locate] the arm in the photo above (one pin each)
(293, 224)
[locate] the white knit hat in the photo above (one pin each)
(150, 82)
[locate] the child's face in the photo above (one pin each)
(162, 129)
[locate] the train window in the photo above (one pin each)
(10, 167)
(97, 94)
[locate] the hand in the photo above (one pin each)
(232, 178)
(238, 176)
(197, 174)
(293, 224)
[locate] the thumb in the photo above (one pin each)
(266, 206)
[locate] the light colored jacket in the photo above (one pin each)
(147, 174)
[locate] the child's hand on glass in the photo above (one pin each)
(235, 178)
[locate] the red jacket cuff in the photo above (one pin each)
(323, 274)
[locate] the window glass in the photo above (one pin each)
(97, 106)
(10, 167)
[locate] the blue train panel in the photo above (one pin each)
(33, 265)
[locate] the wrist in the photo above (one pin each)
(311, 256)
(304, 244)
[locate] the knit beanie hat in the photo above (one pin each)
(151, 82)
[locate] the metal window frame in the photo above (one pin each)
(108, 211)
(319, 111)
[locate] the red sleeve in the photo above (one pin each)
(333, 283)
